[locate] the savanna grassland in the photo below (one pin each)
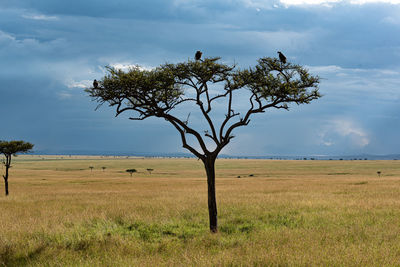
(279, 213)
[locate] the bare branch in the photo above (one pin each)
(138, 118)
(186, 129)
(184, 142)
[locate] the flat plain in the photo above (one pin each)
(278, 213)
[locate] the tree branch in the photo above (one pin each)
(184, 143)
(186, 129)
(205, 113)
(245, 121)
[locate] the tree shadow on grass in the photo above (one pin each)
(9, 256)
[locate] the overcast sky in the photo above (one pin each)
(50, 50)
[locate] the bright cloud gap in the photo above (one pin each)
(39, 17)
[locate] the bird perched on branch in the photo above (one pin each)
(95, 84)
(282, 57)
(198, 54)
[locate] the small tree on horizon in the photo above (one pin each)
(9, 149)
(165, 89)
(131, 171)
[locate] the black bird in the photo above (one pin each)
(198, 54)
(282, 57)
(95, 84)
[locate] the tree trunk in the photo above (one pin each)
(6, 180)
(6, 185)
(209, 164)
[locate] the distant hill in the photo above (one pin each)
(188, 155)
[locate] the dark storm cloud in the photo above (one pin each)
(153, 10)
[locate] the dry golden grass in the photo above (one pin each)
(288, 213)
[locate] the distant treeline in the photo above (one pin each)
(186, 155)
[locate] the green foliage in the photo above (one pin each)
(156, 92)
(13, 147)
(272, 80)
(208, 70)
(143, 90)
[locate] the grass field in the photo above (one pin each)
(279, 213)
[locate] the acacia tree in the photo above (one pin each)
(9, 149)
(131, 171)
(163, 91)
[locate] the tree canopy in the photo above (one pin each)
(9, 148)
(156, 92)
